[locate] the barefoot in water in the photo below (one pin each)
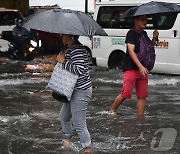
(112, 113)
(88, 150)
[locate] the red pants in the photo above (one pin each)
(133, 79)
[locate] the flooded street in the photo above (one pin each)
(29, 116)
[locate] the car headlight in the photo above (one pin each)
(34, 44)
(31, 49)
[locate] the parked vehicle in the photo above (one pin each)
(87, 43)
(7, 23)
(109, 51)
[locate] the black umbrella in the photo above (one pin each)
(152, 8)
(64, 21)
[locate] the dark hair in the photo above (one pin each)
(136, 17)
(74, 37)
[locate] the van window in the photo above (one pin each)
(161, 21)
(8, 17)
(109, 17)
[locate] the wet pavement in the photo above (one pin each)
(29, 116)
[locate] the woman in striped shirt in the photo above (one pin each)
(75, 60)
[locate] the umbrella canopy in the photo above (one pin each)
(152, 8)
(64, 21)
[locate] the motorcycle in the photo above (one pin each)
(25, 50)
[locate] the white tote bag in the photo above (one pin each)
(62, 81)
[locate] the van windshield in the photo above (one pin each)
(109, 17)
(8, 17)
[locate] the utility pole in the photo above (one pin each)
(86, 6)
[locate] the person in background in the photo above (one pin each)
(75, 60)
(20, 34)
(134, 73)
(115, 22)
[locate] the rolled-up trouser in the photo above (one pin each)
(133, 79)
(75, 111)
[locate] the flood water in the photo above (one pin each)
(29, 116)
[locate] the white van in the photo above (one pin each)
(7, 23)
(109, 51)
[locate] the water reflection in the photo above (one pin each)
(29, 116)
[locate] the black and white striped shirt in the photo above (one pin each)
(77, 62)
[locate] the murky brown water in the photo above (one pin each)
(29, 116)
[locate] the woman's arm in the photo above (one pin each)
(142, 69)
(77, 62)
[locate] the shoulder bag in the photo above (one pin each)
(62, 82)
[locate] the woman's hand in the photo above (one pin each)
(155, 36)
(155, 33)
(143, 70)
(61, 57)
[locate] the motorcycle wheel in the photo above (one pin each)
(11, 55)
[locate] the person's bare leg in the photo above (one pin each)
(117, 102)
(141, 103)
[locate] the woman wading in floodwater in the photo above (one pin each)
(76, 61)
